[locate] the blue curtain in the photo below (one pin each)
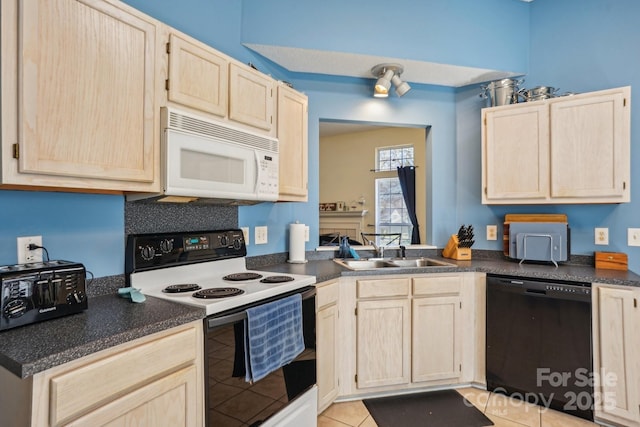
(407, 177)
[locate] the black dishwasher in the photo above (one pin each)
(538, 343)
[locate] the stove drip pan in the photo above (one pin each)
(217, 293)
(239, 277)
(181, 288)
(277, 279)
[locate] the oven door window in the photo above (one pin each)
(233, 402)
(210, 166)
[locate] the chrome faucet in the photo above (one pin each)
(378, 249)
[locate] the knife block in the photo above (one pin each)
(452, 250)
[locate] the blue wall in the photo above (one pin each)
(576, 49)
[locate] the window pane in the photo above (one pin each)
(389, 158)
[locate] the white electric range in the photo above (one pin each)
(208, 269)
(203, 269)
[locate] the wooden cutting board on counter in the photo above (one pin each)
(509, 218)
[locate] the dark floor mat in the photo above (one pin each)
(445, 408)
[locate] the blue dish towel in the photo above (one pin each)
(273, 336)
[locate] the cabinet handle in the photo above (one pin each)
(16, 151)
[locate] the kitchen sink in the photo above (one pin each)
(364, 264)
(420, 262)
(377, 263)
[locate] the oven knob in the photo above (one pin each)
(224, 240)
(147, 252)
(166, 246)
(237, 243)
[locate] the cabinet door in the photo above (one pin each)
(87, 90)
(168, 402)
(327, 355)
(383, 342)
(589, 147)
(250, 97)
(515, 154)
(616, 355)
(292, 136)
(327, 343)
(198, 76)
(436, 338)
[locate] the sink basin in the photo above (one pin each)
(364, 264)
(420, 262)
(374, 264)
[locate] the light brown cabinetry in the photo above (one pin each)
(79, 96)
(198, 76)
(156, 380)
(561, 150)
(202, 78)
(410, 332)
(616, 316)
(327, 331)
(293, 117)
(251, 97)
(383, 335)
(436, 351)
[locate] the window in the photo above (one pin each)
(392, 215)
(389, 158)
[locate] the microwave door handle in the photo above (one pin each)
(258, 171)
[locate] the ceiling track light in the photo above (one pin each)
(388, 74)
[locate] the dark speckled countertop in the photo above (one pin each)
(328, 269)
(110, 320)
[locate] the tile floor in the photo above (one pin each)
(502, 410)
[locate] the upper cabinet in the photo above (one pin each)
(572, 149)
(293, 116)
(251, 97)
(206, 80)
(198, 76)
(79, 96)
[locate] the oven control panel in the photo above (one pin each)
(149, 251)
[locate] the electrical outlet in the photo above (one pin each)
(25, 254)
(245, 233)
(633, 236)
(306, 233)
(261, 235)
(602, 236)
(492, 232)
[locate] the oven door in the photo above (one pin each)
(233, 401)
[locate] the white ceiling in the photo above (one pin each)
(301, 60)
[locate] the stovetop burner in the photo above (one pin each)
(217, 293)
(277, 279)
(239, 277)
(181, 288)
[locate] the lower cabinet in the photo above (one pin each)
(407, 332)
(327, 331)
(383, 332)
(616, 341)
(437, 329)
(152, 381)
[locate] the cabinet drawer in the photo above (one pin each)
(383, 288)
(327, 294)
(96, 383)
(437, 285)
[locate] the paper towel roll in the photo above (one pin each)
(296, 243)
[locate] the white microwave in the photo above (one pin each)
(212, 161)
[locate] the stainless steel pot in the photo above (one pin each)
(501, 92)
(538, 93)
